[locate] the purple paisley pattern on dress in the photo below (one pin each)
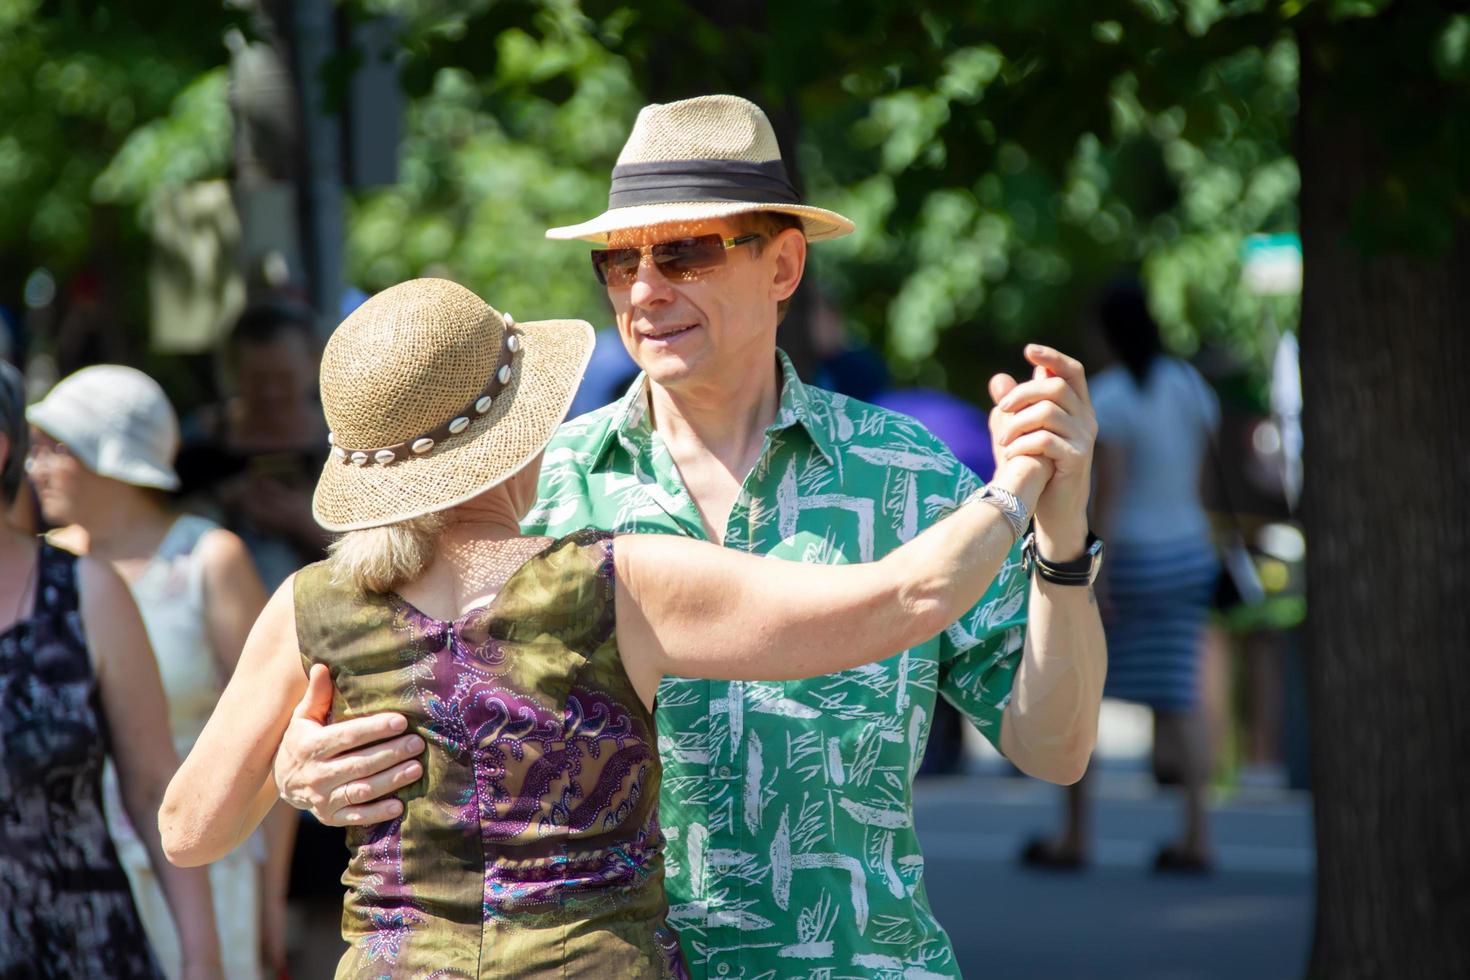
(533, 848)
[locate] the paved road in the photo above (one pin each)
(1251, 919)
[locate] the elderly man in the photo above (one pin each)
(787, 806)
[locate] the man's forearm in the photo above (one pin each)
(1050, 726)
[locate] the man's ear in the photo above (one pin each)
(789, 250)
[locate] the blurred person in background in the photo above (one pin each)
(78, 685)
(251, 461)
(1156, 416)
(102, 461)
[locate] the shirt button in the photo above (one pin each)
(724, 772)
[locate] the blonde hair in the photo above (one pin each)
(379, 559)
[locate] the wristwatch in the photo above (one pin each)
(1080, 571)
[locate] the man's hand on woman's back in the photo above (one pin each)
(343, 772)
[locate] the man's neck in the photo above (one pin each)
(726, 418)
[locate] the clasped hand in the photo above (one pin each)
(1049, 421)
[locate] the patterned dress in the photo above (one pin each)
(532, 848)
(65, 908)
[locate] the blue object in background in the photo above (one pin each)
(608, 375)
(963, 427)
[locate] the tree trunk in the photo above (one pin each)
(1386, 377)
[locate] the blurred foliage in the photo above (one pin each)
(1001, 160)
(80, 82)
(515, 115)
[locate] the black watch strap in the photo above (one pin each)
(1080, 571)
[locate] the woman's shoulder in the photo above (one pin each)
(565, 589)
(570, 558)
(589, 541)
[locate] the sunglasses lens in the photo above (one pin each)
(682, 260)
(616, 267)
(688, 258)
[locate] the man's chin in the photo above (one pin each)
(667, 367)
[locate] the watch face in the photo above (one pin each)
(1096, 554)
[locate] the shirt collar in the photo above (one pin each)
(630, 424)
(800, 406)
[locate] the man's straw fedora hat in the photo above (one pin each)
(433, 397)
(702, 158)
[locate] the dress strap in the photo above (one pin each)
(56, 581)
(181, 543)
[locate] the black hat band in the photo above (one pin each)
(679, 181)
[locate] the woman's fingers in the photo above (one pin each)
(1043, 389)
(1042, 443)
(1069, 369)
(1042, 415)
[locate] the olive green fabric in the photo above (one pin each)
(531, 848)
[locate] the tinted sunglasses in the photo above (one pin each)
(681, 260)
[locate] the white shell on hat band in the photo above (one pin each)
(385, 456)
(360, 458)
(459, 425)
(422, 446)
(483, 405)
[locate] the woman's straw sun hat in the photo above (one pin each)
(703, 158)
(433, 397)
(116, 421)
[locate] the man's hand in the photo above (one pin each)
(339, 772)
(1050, 416)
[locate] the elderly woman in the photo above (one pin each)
(102, 464)
(531, 847)
(77, 685)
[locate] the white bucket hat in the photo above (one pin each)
(116, 421)
(708, 157)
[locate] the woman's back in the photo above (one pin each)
(533, 847)
(1161, 430)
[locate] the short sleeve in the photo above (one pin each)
(980, 652)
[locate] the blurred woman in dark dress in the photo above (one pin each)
(78, 684)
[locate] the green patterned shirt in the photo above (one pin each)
(788, 806)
